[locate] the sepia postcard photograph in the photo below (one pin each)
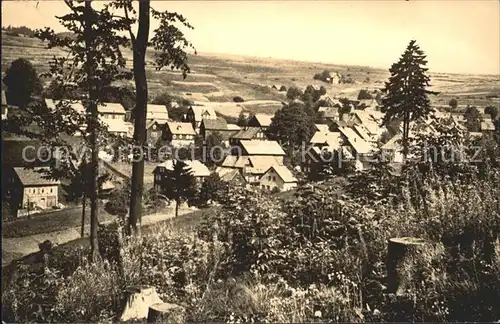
(188, 161)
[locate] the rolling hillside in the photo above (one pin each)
(217, 78)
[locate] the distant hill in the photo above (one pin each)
(69, 35)
(19, 31)
(215, 79)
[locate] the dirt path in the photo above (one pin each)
(13, 248)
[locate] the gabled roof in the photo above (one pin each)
(179, 128)
(360, 145)
(233, 161)
(256, 147)
(227, 174)
(284, 173)
(328, 138)
(263, 120)
(158, 112)
(34, 177)
(198, 169)
(259, 164)
(77, 106)
(117, 125)
(233, 127)
(247, 134)
(150, 123)
(201, 112)
(214, 124)
(111, 108)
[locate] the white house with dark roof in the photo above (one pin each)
(111, 111)
(31, 189)
(197, 169)
(179, 134)
(278, 176)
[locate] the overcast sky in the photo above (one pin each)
(458, 36)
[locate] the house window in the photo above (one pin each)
(154, 127)
(269, 178)
(51, 190)
(274, 178)
(268, 187)
(154, 134)
(43, 190)
(174, 136)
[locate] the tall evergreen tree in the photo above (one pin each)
(178, 184)
(405, 94)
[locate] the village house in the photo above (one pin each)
(76, 106)
(356, 148)
(196, 114)
(254, 157)
(260, 120)
(249, 133)
(29, 189)
(111, 111)
(256, 147)
(251, 167)
(179, 134)
(158, 113)
(326, 138)
(210, 126)
(278, 176)
(153, 132)
(231, 176)
(197, 169)
(331, 113)
(119, 127)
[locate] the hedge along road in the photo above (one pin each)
(17, 247)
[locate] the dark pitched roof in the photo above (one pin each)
(248, 133)
(33, 177)
(215, 124)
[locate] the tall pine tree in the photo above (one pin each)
(405, 94)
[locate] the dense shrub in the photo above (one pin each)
(238, 99)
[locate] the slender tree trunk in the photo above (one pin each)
(84, 200)
(92, 92)
(176, 207)
(141, 88)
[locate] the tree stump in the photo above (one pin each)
(166, 313)
(137, 302)
(401, 255)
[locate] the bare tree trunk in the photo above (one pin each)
(84, 200)
(141, 88)
(176, 207)
(94, 186)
